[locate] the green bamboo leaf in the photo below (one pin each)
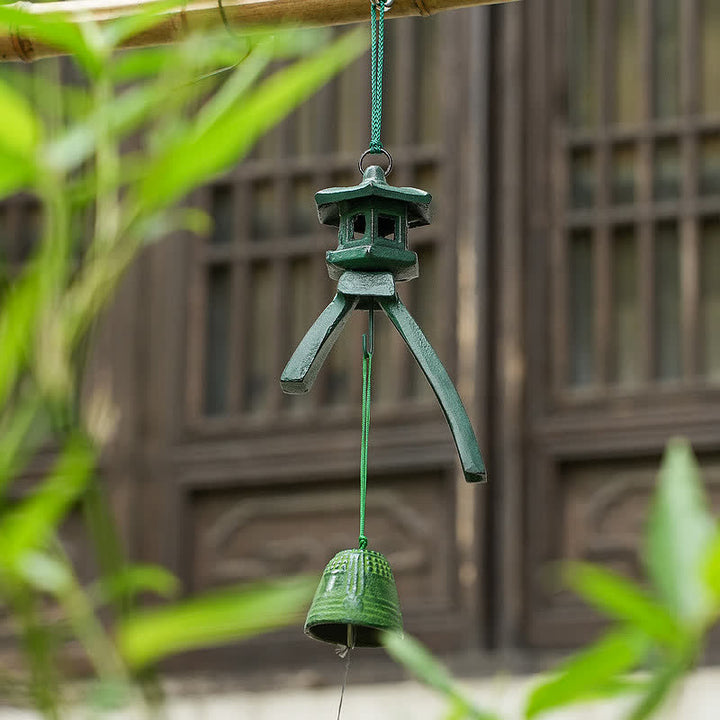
(409, 653)
(135, 579)
(679, 535)
(94, 286)
(660, 686)
(623, 600)
(213, 619)
(460, 711)
(44, 572)
(418, 661)
(18, 318)
(139, 63)
(108, 695)
(31, 297)
(289, 42)
(76, 100)
(20, 129)
(238, 83)
(127, 111)
(591, 673)
(197, 157)
(20, 133)
(28, 526)
(711, 573)
(21, 432)
(456, 712)
(160, 225)
(16, 174)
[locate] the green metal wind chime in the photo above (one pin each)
(357, 597)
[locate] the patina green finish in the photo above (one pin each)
(373, 220)
(356, 598)
(367, 269)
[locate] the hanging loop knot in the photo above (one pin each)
(362, 542)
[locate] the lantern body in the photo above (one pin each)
(357, 589)
(373, 220)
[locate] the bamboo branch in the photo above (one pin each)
(18, 45)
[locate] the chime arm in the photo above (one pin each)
(443, 387)
(302, 368)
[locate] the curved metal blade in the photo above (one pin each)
(443, 387)
(302, 368)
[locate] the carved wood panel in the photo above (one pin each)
(598, 514)
(245, 534)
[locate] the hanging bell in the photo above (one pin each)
(355, 600)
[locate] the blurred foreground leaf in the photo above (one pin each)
(21, 431)
(135, 579)
(20, 132)
(108, 695)
(711, 571)
(44, 572)
(659, 686)
(201, 154)
(30, 524)
(20, 127)
(623, 600)
(592, 673)
(418, 661)
(216, 618)
(679, 535)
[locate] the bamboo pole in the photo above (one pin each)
(19, 44)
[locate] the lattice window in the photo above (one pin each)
(260, 277)
(636, 291)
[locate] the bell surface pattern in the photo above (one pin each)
(357, 589)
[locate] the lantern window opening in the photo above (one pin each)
(358, 226)
(388, 227)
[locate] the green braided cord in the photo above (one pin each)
(367, 372)
(377, 33)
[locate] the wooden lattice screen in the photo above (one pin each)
(637, 230)
(624, 350)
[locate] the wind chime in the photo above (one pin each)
(357, 599)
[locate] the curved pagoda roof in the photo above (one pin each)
(374, 184)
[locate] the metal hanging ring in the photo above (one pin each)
(384, 152)
(378, 3)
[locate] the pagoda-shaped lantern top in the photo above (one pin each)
(372, 220)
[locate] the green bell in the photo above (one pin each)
(356, 598)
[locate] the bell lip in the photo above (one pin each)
(367, 636)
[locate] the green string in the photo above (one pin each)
(364, 441)
(377, 33)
